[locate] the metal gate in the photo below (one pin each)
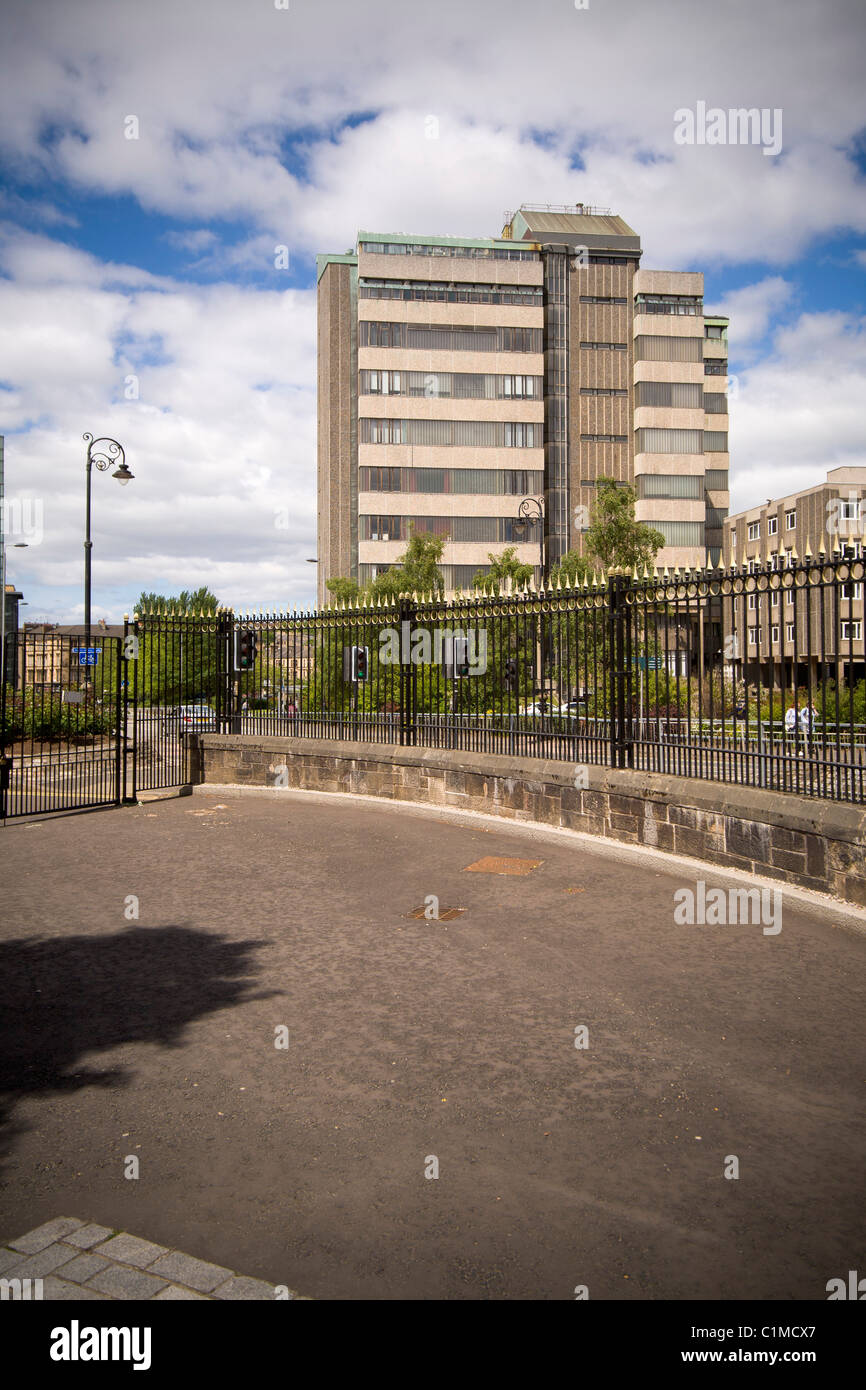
(177, 686)
(62, 716)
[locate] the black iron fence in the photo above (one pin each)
(755, 677)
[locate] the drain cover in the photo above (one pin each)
(445, 914)
(491, 865)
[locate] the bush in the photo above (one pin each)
(42, 717)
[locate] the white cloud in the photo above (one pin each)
(799, 412)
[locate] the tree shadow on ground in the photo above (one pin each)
(68, 996)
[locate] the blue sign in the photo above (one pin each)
(648, 663)
(87, 656)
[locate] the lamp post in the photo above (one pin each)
(104, 453)
(530, 509)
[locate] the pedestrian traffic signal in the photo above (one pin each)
(461, 657)
(246, 650)
(511, 673)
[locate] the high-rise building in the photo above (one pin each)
(459, 377)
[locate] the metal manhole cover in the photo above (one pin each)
(445, 914)
(491, 865)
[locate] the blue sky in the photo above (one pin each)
(139, 295)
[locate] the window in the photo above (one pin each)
(715, 442)
(455, 433)
(752, 565)
(410, 248)
(651, 441)
(601, 299)
(789, 632)
(772, 525)
(604, 347)
(851, 550)
(851, 590)
(774, 598)
(713, 330)
(448, 338)
(753, 637)
(754, 530)
(669, 485)
(852, 631)
(715, 366)
(716, 479)
(790, 520)
(648, 348)
(715, 402)
(381, 528)
(686, 394)
(498, 482)
(849, 511)
(789, 598)
(681, 533)
(458, 292)
(603, 391)
(669, 304)
(774, 632)
(604, 438)
(754, 601)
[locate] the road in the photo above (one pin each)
(411, 1040)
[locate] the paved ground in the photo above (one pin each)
(69, 1261)
(411, 1041)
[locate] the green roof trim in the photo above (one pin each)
(405, 240)
(718, 319)
(327, 258)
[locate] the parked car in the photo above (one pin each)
(189, 719)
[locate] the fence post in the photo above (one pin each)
(619, 650)
(225, 674)
(408, 719)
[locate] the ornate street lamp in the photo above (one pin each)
(104, 453)
(530, 509)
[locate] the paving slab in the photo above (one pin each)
(45, 1235)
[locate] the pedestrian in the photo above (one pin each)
(291, 710)
(790, 720)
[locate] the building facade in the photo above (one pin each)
(458, 377)
(777, 632)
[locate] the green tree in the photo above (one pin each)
(416, 571)
(193, 601)
(571, 570)
(502, 568)
(614, 537)
(344, 590)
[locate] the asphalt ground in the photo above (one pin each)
(411, 1040)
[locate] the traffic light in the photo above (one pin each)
(461, 657)
(356, 663)
(511, 673)
(246, 650)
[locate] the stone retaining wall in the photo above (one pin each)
(814, 843)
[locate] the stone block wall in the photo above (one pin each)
(813, 843)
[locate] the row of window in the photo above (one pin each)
(671, 485)
(604, 438)
(459, 385)
(494, 482)
(601, 299)
(603, 391)
(655, 441)
(451, 293)
(478, 434)
(669, 304)
(461, 529)
(604, 347)
(488, 253)
(849, 510)
(449, 338)
(715, 366)
(852, 590)
(850, 631)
